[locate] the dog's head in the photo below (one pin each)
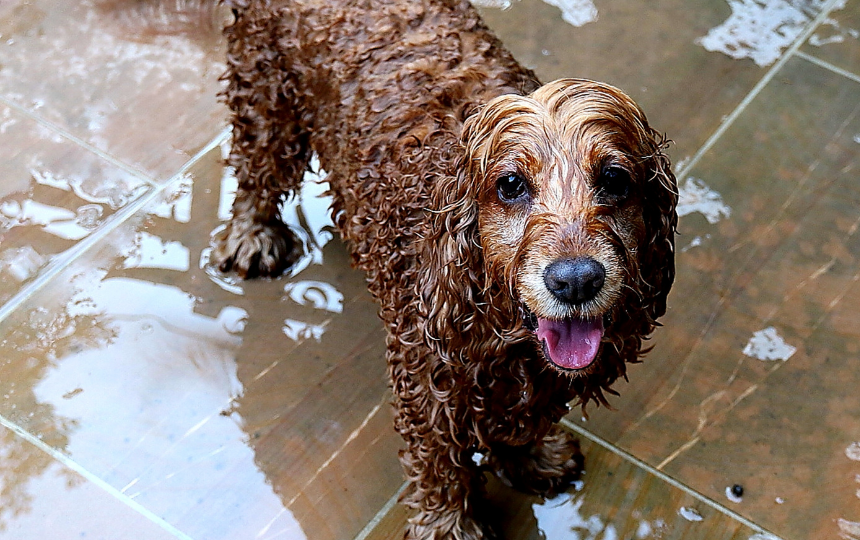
(574, 205)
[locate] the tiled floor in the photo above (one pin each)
(143, 397)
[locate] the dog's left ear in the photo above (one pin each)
(657, 257)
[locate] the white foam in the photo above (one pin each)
(695, 196)
(690, 514)
(498, 4)
(768, 345)
(760, 29)
(575, 12)
(849, 530)
(731, 496)
(300, 331)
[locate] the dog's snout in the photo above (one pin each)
(574, 281)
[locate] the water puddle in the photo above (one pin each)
(157, 362)
(562, 518)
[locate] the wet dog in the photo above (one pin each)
(517, 236)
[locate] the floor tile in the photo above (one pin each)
(837, 40)
(227, 409)
(616, 499)
(686, 63)
(259, 409)
(150, 103)
(752, 380)
(39, 495)
(53, 195)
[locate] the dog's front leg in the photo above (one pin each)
(270, 153)
(444, 486)
(444, 483)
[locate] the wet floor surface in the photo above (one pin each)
(143, 397)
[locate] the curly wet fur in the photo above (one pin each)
(415, 109)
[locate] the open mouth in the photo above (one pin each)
(570, 343)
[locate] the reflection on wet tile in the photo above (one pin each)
(151, 104)
(38, 495)
(53, 194)
(615, 499)
(752, 379)
(199, 400)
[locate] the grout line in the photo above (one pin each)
(78, 141)
(827, 65)
(352, 436)
(371, 525)
(63, 260)
(764, 81)
(665, 477)
(78, 468)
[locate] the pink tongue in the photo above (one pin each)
(571, 343)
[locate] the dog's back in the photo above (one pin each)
(382, 88)
(379, 88)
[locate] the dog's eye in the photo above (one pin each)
(614, 182)
(512, 188)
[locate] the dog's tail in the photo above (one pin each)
(144, 19)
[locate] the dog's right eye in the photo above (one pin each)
(512, 188)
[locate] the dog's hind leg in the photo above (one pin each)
(270, 154)
(546, 467)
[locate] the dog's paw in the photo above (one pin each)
(255, 250)
(545, 468)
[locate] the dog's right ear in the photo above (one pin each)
(450, 282)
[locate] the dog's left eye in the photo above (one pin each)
(512, 188)
(614, 181)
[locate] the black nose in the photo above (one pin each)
(576, 280)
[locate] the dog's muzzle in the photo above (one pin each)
(571, 343)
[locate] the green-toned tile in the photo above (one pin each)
(151, 104)
(837, 40)
(40, 498)
(53, 194)
(771, 274)
(688, 64)
(227, 409)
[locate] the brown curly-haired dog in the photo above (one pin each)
(518, 237)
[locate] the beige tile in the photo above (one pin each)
(40, 498)
(657, 54)
(615, 499)
(230, 410)
(837, 39)
(260, 409)
(785, 257)
(54, 194)
(150, 103)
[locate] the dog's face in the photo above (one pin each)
(564, 178)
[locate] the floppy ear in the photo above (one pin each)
(457, 299)
(451, 276)
(657, 255)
